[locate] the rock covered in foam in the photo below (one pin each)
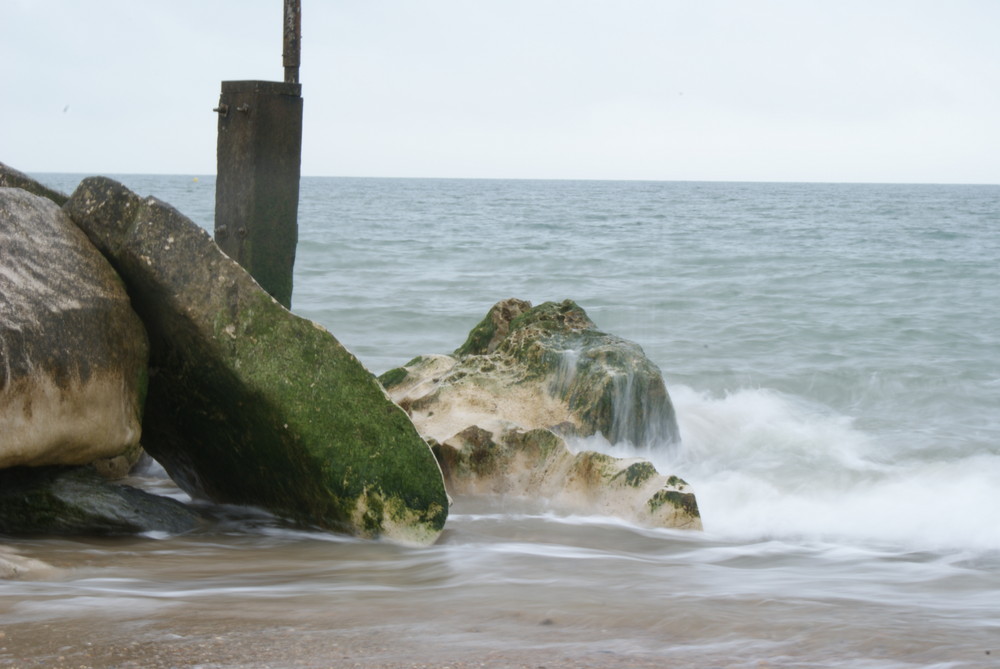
(538, 464)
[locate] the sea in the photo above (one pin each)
(833, 355)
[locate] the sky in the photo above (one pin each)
(722, 90)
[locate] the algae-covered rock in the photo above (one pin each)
(72, 351)
(538, 464)
(39, 501)
(248, 403)
(545, 366)
(499, 409)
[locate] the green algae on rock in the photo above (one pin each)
(250, 404)
(500, 409)
(546, 362)
(538, 464)
(40, 501)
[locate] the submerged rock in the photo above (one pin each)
(538, 464)
(500, 407)
(72, 351)
(248, 403)
(40, 501)
(14, 566)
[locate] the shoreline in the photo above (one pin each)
(233, 644)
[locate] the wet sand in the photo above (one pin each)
(218, 644)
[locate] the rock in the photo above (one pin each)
(11, 178)
(41, 501)
(538, 464)
(498, 409)
(547, 366)
(72, 351)
(250, 404)
(14, 566)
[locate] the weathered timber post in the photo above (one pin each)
(258, 161)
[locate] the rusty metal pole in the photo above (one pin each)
(293, 38)
(258, 163)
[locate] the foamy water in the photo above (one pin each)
(833, 354)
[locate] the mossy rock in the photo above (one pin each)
(606, 381)
(682, 501)
(527, 379)
(637, 474)
(538, 464)
(490, 332)
(393, 377)
(54, 501)
(250, 404)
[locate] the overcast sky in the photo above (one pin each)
(748, 90)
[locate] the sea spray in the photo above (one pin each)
(769, 465)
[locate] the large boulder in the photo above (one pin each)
(72, 351)
(250, 404)
(41, 501)
(500, 410)
(11, 178)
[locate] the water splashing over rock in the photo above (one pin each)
(497, 412)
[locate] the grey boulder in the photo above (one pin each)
(72, 351)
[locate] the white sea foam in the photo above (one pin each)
(768, 465)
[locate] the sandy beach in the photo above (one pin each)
(218, 644)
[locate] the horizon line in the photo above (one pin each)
(560, 179)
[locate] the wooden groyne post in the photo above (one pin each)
(258, 162)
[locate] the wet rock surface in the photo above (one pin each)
(500, 410)
(67, 501)
(73, 352)
(607, 383)
(248, 403)
(11, 178)
(538, 464)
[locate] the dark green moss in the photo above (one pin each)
(637, 473)
(553, 317)
(490, 332)
(683, 501)
(479, 338)
(393, 377)
(677, 482)
(373, 516)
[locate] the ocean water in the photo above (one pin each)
(833, 355)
